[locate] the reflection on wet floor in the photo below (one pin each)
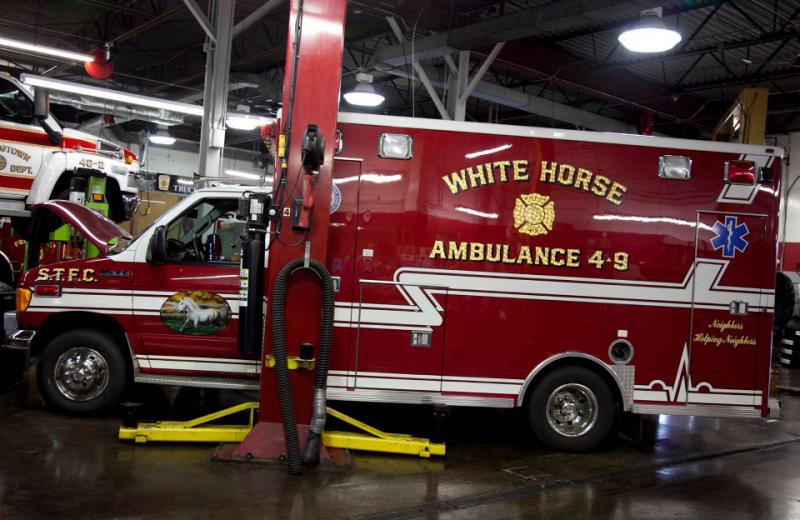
(690, 467)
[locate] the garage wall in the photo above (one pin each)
(182, 159)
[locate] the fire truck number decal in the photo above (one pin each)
(730, 236)
(196, 313)
(61, 274)
(551, 172)
(89, 163)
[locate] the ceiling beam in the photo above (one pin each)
(535, 21)
(149, 24)
(258, 14)
(539, 106)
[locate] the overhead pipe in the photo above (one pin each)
(162, 117)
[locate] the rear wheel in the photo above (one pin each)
(82, 372)
(571, 409)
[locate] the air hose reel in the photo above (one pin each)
(310, 456)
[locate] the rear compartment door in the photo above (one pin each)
(729, 311)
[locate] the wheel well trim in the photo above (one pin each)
(569, 355)
(133, 363)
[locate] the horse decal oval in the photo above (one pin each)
(196, 313)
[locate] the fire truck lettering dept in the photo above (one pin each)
(488, 174)
(14, 168)
(61, 274)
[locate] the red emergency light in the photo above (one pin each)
(47, 290)
(740, 172)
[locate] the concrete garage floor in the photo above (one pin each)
(61, 467)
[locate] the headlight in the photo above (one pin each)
(23, 299)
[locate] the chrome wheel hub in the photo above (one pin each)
(572, 410)
(81, 374)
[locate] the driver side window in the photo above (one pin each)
(15, 106)
(207, 233)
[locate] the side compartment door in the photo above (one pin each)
(398, 325)
(341, 262)
(186, 310)
(397, 348)
(728, 311)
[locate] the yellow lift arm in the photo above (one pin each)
(199, 430)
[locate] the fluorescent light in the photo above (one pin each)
(649, 35)
(111, 95)
(238, 121)
(8, 43)
(487, 152)
(243, 175)
(364, 94)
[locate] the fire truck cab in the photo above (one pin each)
(572, 274)
(38, 157)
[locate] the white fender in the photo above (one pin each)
(53, 165)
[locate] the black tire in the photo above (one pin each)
(108, 375)
(572, 383)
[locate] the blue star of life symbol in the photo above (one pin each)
(730, 236)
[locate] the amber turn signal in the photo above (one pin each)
(23, 299)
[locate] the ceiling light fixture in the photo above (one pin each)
(111, 95)
(364, 94)
(650, 34)
(238, 121)
(161, 137)
(243, 175)
(8, 43)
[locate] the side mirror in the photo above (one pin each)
(157, 249)
(40, 111)
(42, 114)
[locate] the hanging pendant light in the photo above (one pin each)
(650, 34)
(364, 94)
(161, 137)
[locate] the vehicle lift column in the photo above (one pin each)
(311, 99)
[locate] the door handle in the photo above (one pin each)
(738, 308)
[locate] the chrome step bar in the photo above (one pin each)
(231, 383)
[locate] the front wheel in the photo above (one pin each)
(82, 372)
(571, 409)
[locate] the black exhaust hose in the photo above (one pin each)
(278, 317)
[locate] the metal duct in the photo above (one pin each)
(88, 104)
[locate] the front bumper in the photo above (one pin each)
(15, 350)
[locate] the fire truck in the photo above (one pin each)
(39, 160)
(575, 275)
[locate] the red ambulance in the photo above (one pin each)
(573, 274)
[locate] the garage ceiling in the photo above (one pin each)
(560, 53)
